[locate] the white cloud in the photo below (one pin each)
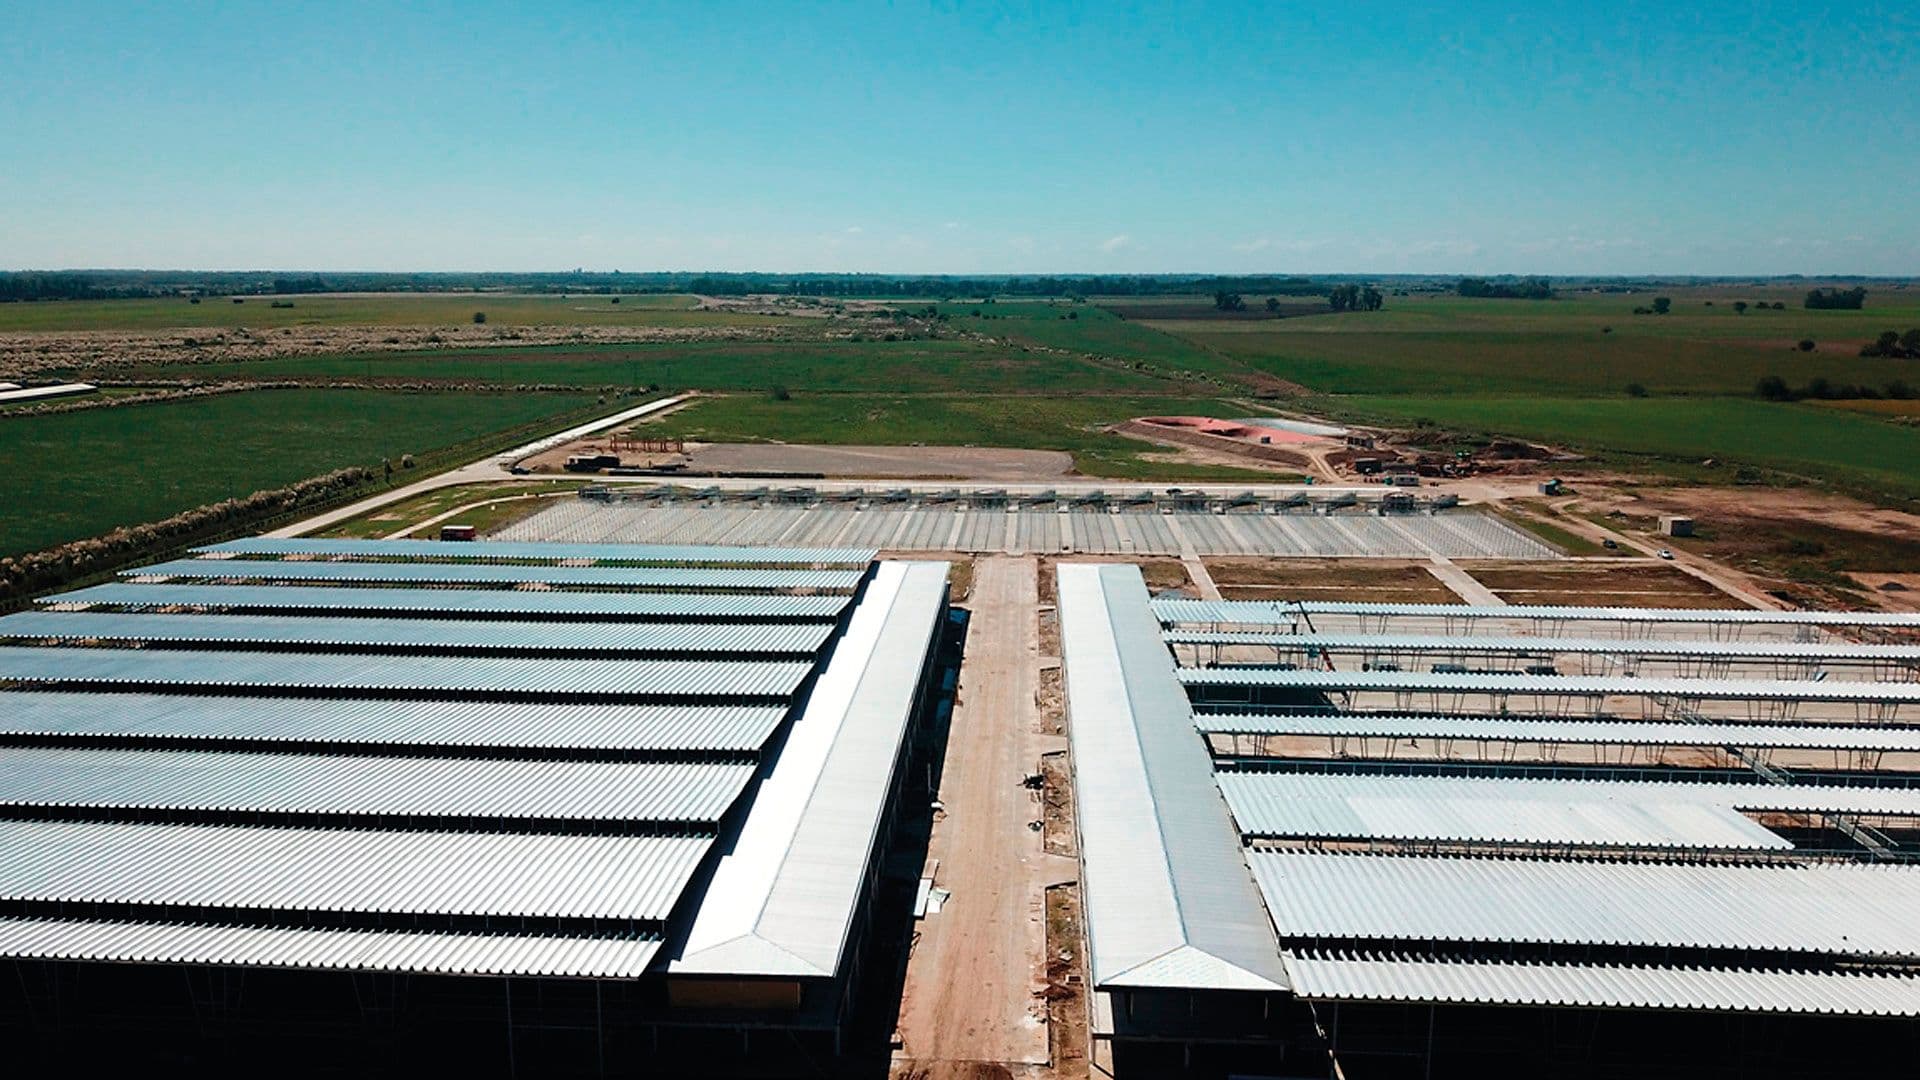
(1113, 244)
(1259, 243)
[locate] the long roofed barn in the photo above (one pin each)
(581, 809)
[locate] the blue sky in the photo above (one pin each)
(1465, 137)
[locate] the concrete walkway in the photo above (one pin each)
(1462, 583)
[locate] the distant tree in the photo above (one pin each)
(1898, 390)
(1910, 341)
(1662, 305)
(1535, 288)
(1837, 299)
(1634, 389)
(1779, 305)
(1887, 344)
(1273, 305)
(780, 393)
(1228, 301)
(1773, 388)
(1371, 300)
(1739, 307)
(479, 317)
(1806, 344)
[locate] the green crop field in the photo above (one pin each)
(937, 366)
(85, 473)
(371, 309)
(1028, 422)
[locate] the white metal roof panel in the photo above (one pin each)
(1373, 977)
(1547, 730)
(1584, 685)
(680, 792)
(348, 633)
(419, 951)
(503, 550)
(1284, 613)
(1832, 908)
(606, 577)
(506, 603)
(782, 900)
(1627, 813)
(321, 674)
(359, 722)
(1537, 645)
(1168, 902)
(1320, 806)
(424, 873)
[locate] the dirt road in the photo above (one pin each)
(971, 982)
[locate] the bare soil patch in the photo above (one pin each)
(1601, 585)
(1804, 547)
(1383, 580)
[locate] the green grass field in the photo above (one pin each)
(1799, 440)
(82, 474)
(1558, 371)
(371, 309)
(1447, 345)
(1036, 423)
(932, 367)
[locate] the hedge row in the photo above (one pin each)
(36, 571)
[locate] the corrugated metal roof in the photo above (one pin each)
(607, 577)
(1639, 647)
(423, 873)
(1284, 613)
(1168, 901)
(1528, 810)
(1317, 806)
(783, 899)
(328, 949)
(1586, 685)
(1602, 732)
(338, 674)
(1835, 908)
(1369, 977)
(454, 724)
(486, 550)
(369, 786)
(797, 640)
(504, 602)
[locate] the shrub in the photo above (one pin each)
(479, 317)
(1805, 345)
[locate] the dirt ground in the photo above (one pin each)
(1378, 580)
(1803, 548)
(1596, 584)
(975, 987)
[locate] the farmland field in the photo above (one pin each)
(1032, 423)
(1586, 346)
(81, 474)
(1562, 371)
(371, 309)
(1801, 440)
(938, 366)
